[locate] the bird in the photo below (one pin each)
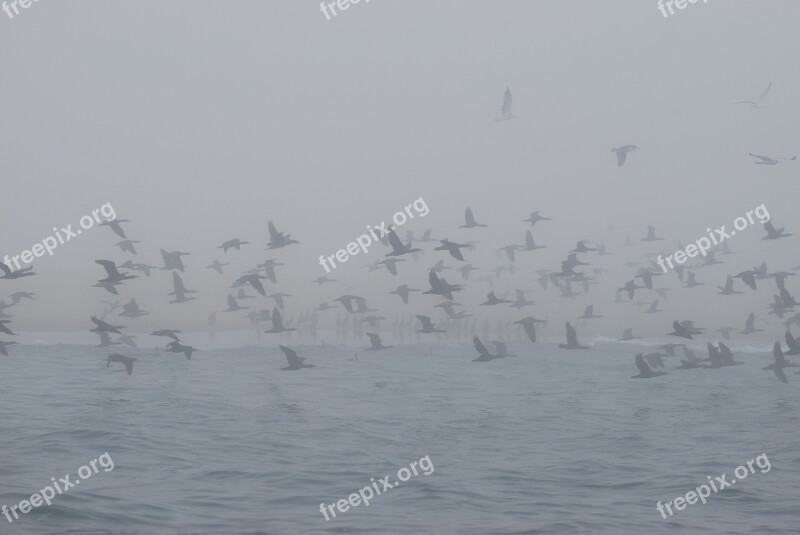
(622, 153)
(295, 362)
(177, 347)
(758, 104)
(589, 313)
(535, 217)
(278, 240)
(767, 160)
(253, 280)
(427, 325)
(173, 260)
(644, 369)
(484, 355)
(277, 323)
(102, 326)
(470, 220)
(180, 290)
(452, 248)
(528, 325)
(521, 301)
(233, 305)
(131, 310)
(749, 325)
(505, 109)
(126, 361)
(23, 272)
(530, 245)
(375, 342)
(398, 247)
(651, 234)
(773, 234)
(403, 291)
(127, 246)
(492, 299)
(439, 286)
(170, 333)
(3, 346)
(114, 225)
(217, 266)
(628, 335)
(16, 297)
(728, 288)
(680, 330)
(232, 244)
(572, 339)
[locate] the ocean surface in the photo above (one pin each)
(550, 441)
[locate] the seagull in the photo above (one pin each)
(644, 369)
(235, 244)
(759, 104)
(572, 339)
(127, 361)
(505, 110)
(470, 220)
(295, 362)
(622, 153)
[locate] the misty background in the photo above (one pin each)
(201, 121)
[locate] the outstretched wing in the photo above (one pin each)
(480, 347)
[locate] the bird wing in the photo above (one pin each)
(470, 219)
(480, 347)
(572, 337)
(764, 94)
(109, 266)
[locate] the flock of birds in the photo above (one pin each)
(564, 279)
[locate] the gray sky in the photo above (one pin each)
(200, 121)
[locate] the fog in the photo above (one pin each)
(201, 121)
